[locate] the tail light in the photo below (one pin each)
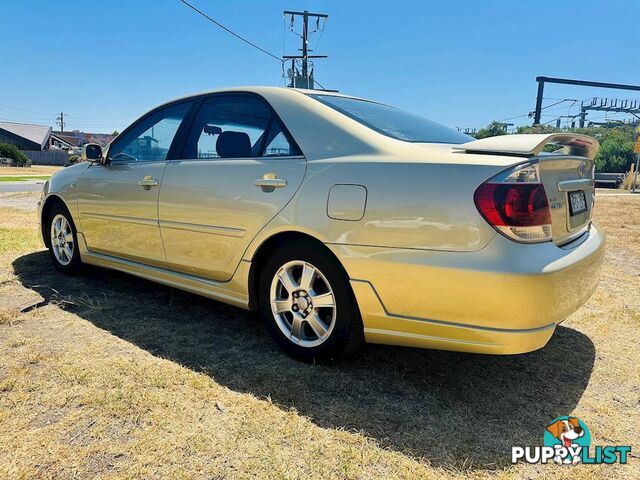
(514, 203)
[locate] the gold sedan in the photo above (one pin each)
(341, 220)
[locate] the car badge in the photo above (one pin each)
(582, 169)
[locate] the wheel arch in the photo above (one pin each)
(48, 204)
(269, 245)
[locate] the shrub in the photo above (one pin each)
(616, 151)
(494, 129)
(12, 152)
(537, 129)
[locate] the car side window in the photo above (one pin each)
(151, 138)
(277, 143)
(233, 126)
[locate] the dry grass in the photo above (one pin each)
(111, 376)
(32, 170)
(628, 182)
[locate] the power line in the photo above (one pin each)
(25, 121)
(559, 108)
(21, 109)
(31, 112)
(18, 117)
(316, 80)
(551, 121)
(561, 101)
(527, 114)
(499, 121)
(240, 37)
(324, 24)
(513, 118)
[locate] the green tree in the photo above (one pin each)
(12, 152)
(115, 133)
(537, 129)
(616, 151)
(494, 129)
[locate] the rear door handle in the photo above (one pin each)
(148, 182)
(269, 182)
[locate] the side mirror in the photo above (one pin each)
(92, 152)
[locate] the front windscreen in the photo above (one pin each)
(392, 121)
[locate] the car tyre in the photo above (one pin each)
(63, 240)
(331, 327)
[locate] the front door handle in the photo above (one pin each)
(269, 182)
(148, 182)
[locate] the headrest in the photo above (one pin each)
(233, 145)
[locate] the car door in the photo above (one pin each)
(239, 168)
(118, 200)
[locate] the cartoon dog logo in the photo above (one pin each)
(567, 431)
(567, 441)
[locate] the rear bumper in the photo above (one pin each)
(506, 298)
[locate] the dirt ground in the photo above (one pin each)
(32, 170)
(106, 375)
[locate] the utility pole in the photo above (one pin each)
(305, 79)
(60, 121)
(539, 95)
(636, 150)
(583, 116)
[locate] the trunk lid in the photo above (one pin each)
(568, 182)
(567, 174)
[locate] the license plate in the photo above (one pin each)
(577, 202)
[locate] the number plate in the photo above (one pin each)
(577, 202)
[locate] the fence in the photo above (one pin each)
(47, 157)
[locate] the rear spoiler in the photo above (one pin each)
(533, 144)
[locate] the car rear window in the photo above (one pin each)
(392, 121)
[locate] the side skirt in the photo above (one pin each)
(233, 292)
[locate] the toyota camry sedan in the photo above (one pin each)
(341, 220)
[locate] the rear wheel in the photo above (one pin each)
(307, 302)
(63, 240)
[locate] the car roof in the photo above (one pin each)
(265, 91)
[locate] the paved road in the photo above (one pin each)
(21, 186)
(623, 194)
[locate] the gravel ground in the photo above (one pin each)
(20, 200)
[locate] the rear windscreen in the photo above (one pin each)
(392, 121)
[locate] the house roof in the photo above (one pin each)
(62, 140)
(80, 138)
(38, 134)
(71, 139)
(102, 139)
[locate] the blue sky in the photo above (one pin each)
(461, 63)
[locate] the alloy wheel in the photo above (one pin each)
(303, 303)
(62, 243)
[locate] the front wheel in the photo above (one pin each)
(308, 304)
(63, 240)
